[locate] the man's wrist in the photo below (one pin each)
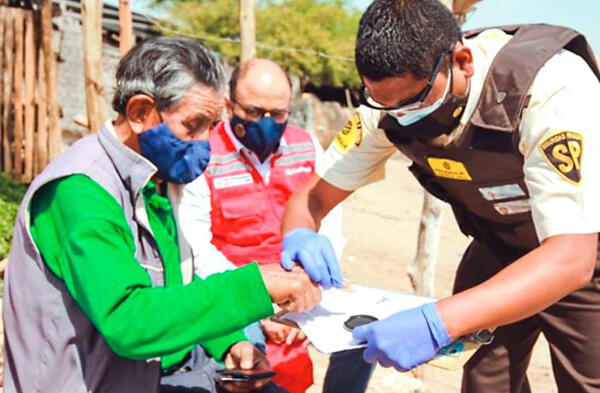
(436, 325)
(300, 230)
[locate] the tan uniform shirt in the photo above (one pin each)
(565, 102)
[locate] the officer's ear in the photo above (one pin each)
(140, 113)
(462, 57)
(229, 108)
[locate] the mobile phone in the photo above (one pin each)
(241, 375)
(358, 320)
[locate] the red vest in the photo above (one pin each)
(245, 212)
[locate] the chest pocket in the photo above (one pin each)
(243, 218)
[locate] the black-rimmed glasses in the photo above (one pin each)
(255, 113)
(416, 100)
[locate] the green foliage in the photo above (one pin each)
(11, 193)
(324, 26)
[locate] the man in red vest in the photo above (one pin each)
(231, 215)
(501, 123)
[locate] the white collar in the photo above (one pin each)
(110, 127)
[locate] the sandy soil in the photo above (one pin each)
(380, 224)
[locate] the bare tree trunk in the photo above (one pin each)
(91, 20)
(422, 270)
(247, 30)
(125, 26)
(55, 132)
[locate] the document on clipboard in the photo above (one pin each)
(324, 323)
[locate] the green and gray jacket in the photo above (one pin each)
(95, 315)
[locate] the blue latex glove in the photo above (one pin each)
(315, 253)
(404, 340)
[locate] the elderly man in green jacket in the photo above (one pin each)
(99, 294)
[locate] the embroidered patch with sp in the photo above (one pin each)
(350, 135)
(505, 191)
(563, 151)
(449, 169)
(232, 181)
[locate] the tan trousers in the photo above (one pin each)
(571, 327)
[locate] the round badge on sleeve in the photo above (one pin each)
(350, 135)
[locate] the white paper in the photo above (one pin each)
(324, 323)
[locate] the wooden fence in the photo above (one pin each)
(29, 131)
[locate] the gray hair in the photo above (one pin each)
(165, 68)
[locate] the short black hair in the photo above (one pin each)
(165, 68)
(396, 37)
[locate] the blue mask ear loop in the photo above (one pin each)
(161, 187)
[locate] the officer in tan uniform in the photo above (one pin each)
(502, 124)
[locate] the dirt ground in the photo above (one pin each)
(380, 224)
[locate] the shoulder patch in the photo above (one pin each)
(350, 135)
(563, 152)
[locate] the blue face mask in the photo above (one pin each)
(262, 137)
(177, 160)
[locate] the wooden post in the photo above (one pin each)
(9, 41)
(422, 270)
(54, 130)
(18, 94)
(3, 67)
(348, 99)
(30, 71)
(125, 27)
(42, 144)
(247, 30)
(91, 18)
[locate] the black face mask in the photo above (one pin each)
(441, 121)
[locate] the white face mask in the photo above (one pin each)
(408, 117)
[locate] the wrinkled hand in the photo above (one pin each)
(244, 355)
(292, 291)
(404, 340)
(316, 255)
(279, 333)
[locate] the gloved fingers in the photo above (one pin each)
(359, 334)
(402, 361)
(401, 369)
(286, 261)
(333, 266)
(323, 270)
(371, 354)
(309, 264)
(386, 362)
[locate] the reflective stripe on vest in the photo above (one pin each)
(245, 212)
